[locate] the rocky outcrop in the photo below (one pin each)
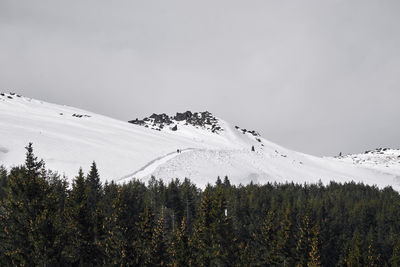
(197, 119)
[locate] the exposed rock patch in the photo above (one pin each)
(197, 119)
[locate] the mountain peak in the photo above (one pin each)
(204, 120)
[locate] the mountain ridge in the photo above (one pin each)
(68, 138)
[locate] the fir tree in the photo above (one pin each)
(227, 183)
(34, 234)
(79, 223)
(93, 185)
(3, 183)
(33, 166)
(372, 257)
(179, 249)
(214, 237)
(130, 211)
(159, 254)
(353, 256)
(143, 244)
(224, 236)
(284, 239)
(202, 236)
(218, 182)
(315, 253)
(395, 259)
(95, 216)
(303, 246)
(174, 202)
(266, 241)
(114, 241)
(189, 196)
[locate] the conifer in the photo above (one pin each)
(179, 249)
(315, 253)
(143, 244)
(159, 254)
(395, 259)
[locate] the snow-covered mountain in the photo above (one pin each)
(381, 159)
(68, 138)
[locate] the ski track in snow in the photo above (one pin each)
(152, 165)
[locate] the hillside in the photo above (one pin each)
(68, 138)
(380, 159)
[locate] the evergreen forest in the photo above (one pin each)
(45, 221)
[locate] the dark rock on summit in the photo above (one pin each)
(183, 116)
(197, 119)
(161, 118)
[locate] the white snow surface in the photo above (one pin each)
(68, 138)
(380, 159)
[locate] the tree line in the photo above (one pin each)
(44, 221)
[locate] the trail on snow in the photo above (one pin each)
(153, 164)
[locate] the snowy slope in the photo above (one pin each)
(380, 159)
(68, 138)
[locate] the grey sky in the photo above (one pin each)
(316, 76)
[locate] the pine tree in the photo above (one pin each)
(86, 220)
(174, 202)
(315, 253)
(179, 249)
(114, 241)
(284, 239)
(224, 236)
(78, 224)
(372, 257)
(218, 182)
(93, 193)
(32, 215)
(3, 183)
(93, 186)
(33, 167)
(214, 238)
(227, 183)
(395, 259)
(353, 257)
(189, 196)
(303, 246)
(266, 239)
(129, 215)
(159, 253)
(143, 244)
(202, 236)
(247, 256)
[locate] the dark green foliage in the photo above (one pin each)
(143, 243)
(3, 183)
(314, 259)
(179, 250)
(395, 259)
(43, 222)
(214, 239)
(78, 222)
(159, 253)
(266, 241)
(33, 216)
(94, 216)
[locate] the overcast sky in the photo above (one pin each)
(315, 76)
